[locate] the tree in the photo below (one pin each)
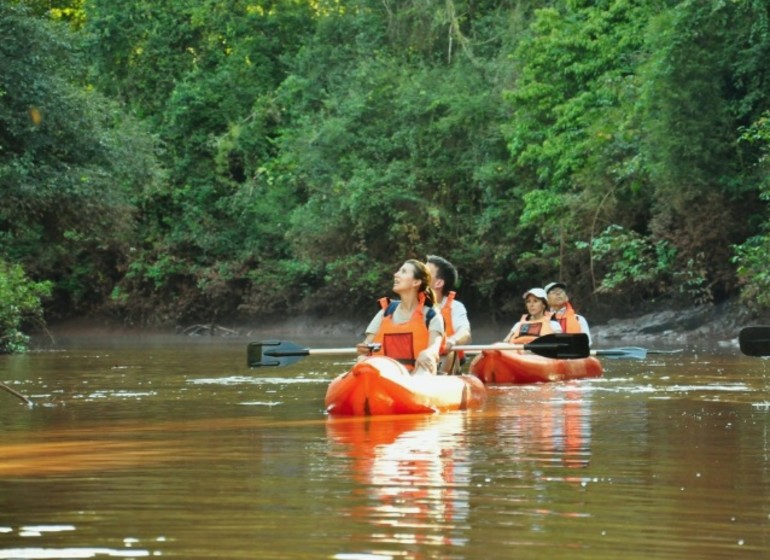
(706, 80)
(70, 165)
(572, 134)
(20, 305)
(392, 151)
(202, 75)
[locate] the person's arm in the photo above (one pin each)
(363, 348)
(462, 326)
(514, 328)
(427, 360)
(460, 337)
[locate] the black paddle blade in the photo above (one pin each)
(273, 353)
(755, 341)
(561, 345)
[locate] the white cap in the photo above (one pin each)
(553, 285)
(537, 292)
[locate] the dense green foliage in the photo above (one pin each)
(20, 304)
(72, 166)
(226, 159)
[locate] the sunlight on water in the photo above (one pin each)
(36, 459)
(63, 553)
(363, 556)
(120, 395)
(71, 553)
(37, 530)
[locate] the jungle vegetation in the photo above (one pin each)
(225, 160)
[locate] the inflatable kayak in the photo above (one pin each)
(380, 385)
(516, 367)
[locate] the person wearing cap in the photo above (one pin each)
(562, 310)
(457, 327)
(537, 321)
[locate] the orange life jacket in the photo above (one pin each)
(528, 330)
(402, 341)
(449, 329)
(568, 319)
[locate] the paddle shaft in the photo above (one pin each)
(458, 348)
(15, 393)
(482, 347)
(354, 350)
(634, 352)
(340, 351)
(278, 352)
(630, 352)
(317, 352)
(275, 353)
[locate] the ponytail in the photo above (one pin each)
(422, 273)
(430, 296)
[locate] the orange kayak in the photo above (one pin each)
(380, 385)
(516, 367)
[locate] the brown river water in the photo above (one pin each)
(170, 447)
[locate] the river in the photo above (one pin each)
(169, 446)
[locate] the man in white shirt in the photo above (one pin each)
(456, 324)
(563, 311)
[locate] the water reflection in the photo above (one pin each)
(413, 475)
(549, 424)
(415, 478)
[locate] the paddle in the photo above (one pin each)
(15, 393)
(634, 352)
(281, 353)
(755, 341)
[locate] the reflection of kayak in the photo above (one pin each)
(412, 473)
(380, 385)
(385, 445)
(513, 366)
(365, 437)
(366, 434)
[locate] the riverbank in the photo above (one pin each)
(708, 327)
